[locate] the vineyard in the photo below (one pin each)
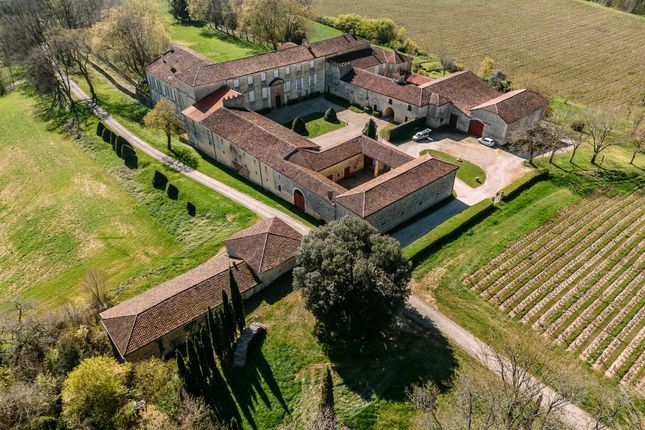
(579, 279)
(586, 53)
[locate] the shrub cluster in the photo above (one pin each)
(121, 147)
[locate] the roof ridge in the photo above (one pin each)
(134, 323)
(264, 248)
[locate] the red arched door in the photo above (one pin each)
(299, 199)
(476, 128)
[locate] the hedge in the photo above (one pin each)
(99, 129)
(106, 135)
(405, 128)
(448, 230)
(173, 192)
(513, 190)
(159, 180)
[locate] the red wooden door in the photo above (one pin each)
(346, 172)
(299, 199)
(453, 120)
(475, 127)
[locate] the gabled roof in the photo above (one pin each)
(264, 246)
(374, 195)
(514, 105)
(203, 108)
(405, 92)
(320, 160)
(178, 63)
(464, 89)
(336, 45)
(147, 317)
(368, 57)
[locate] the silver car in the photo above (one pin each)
(486, 141)
(423, 134)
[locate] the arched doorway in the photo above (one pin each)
(277, 93)
(388, 113)
(299, 199)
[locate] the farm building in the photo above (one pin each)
(156, 321)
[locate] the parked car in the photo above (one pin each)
(486, 141)
(423, 134)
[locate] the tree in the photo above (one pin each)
(298, 125)
(553, 136)
(164, 117)
(179, 10)
(512, 399)
(486, 67)
(576, 135)
(447, 62)
(498, 79)
(275, 21)
(599, 125)
(95, 392)
(353, 279)
(636, 137)
(95, 284)
(238, 302)
(330, 115)
(531, 140)
(370, 129)
(131, 35)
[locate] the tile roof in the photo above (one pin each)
(464, 89)
(514, 105)
(271, 143)
(368, 57)
(210, 104)
(408, 93)
(264, 246)
(320, 160)
(416, 79)
(178, 63)
(337, 45)
(374, 195)
(147, 317)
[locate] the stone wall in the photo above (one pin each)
(494, 125)
(407, 207)
(337, 171)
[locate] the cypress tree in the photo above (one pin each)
(208, 347)
(228, 324)
(370, 129)
(195, 369)
(181, 365)
(214, 328)
(99, 129)
(327, 403)
(238, 303)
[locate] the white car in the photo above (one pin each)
(486, 141)
(423, 134)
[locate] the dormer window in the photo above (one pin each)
(249, 80)
(263, 76)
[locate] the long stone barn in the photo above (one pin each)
(155, 322)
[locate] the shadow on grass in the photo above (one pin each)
(248, 384)
(389, 366)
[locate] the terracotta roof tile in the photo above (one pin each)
(407, 93)
(147, 317)
(368, 57)
(210, 104)
(337, 45)
(178, 63)
(264, 246)
(464, 89)
(514, 105)
(374, 195)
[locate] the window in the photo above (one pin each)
(251, 96)
(279, 187)
(298, 67)
(249, 80)
(276, 73)
(287, 86)
(389, 101)
(312, 64)
(263, 76)
(265, 92)
(236, 83)
(286, 70)
(410, 107)
(311, 80)
(299, 83)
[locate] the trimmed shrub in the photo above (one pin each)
(106, 135)
(367, 110)
(99, 129)
(129, 156)
(113, 137)
(404, 129)
(298, 125)
(159, 180)
(118, 145)
(173, 192)
(330, 115)
(191, 209)
(377, 114)
(527, 181)
(448, 230)
(370, 129)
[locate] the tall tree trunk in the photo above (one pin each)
(633, 157)
(169, 146)
(573, 154)
(593, 158)
(552, 155)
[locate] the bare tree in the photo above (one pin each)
(618, 411)
(636, 136)
(599, 125)
(95, 284)
(446, 61)
(531, 141)
(576, 135)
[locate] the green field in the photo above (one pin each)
(317, 125)
(65, 211)
(467, 171)
(587, 53)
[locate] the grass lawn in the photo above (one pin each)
(560, 41)
(467, 171)
(317, 125)
(321, 31)
(66, 210)
(283, 378)
(130, 113)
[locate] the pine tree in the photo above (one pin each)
(238, 303)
